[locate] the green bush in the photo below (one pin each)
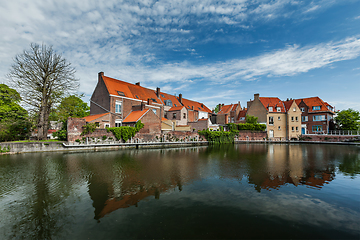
(126, 132)
(216, 137)
(60, 135)
(89, 128)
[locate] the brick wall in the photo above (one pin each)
(252, 135)
(329, 138)
(101, 97)
(199, 125)
(74, 128)
(257, 109)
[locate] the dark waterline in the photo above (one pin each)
(229, 191)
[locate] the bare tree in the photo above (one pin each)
(42, 77)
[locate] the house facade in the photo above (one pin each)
(228, 113)
(315, 115)
(115, 103)
(282, 119)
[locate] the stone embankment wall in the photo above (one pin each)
(21, 147)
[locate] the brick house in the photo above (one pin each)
(241, 118)
(114, 102)
(316, 115)
(228, 113)
(282, 122)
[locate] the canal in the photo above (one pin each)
(266, 191)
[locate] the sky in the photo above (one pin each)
(210, 51)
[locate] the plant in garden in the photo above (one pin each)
(126, 132)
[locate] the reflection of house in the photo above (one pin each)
(282, 119)
(115, 102)
(316, 115)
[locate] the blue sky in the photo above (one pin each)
(210, 51)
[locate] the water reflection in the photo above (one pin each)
(43, 195)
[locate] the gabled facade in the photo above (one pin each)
(242, 116)
(228, 113)
(282, 119)
(316, 115)
(122, 101)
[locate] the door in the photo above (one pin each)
(271, 133)
(302, 130)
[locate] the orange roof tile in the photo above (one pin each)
(314, 102)
(164, 119)
(195, 105)
(242, 113)
(135, 116)
(174, 101)
(226, 109)
(273, 102)
(94, 117)
(176, 108)
(203, 119)
(288, 104)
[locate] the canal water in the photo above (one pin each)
(229, 191)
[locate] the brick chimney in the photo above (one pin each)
(256, 96)
(158, 92)
(220, 107)
(180, 98)
(100, 75)
(137, 84)
(148, 101)
(142, 106)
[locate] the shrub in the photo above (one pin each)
(216, 137)
(126, 132)
(104, 138)
(88, 128)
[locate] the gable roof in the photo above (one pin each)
(94, 117)
(314, 102)
(135, 116)
(226, 109)
(242, 113)
(121, 88)
(189, 104)
(176, 108)
(273, 102)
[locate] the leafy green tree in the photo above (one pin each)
(14, 123)
(216, 110)
(71, 106)
(251, 119)
(348, 119)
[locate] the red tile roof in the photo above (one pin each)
(164, 119)
(314, 102)
(273, 102)
(176, 108)
(135, 116)
(195, 105)
(242, 113)
(288, 104)
(164, 96)
(226, 109)
(94, 117)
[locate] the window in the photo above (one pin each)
(271, 120)
(296, 119)
(292, 119)
(184, 115)
(278, 109)
(232, 120)
(120, 93)
(117, 122)
(292, 128)
(168, 103)
(174, 115)
(97, 124)
(304, 118)
(117, 107)
(279, 118)
(162, 95)
(294, 109)
(317, 128)
(154, 110)
(165, 115)
(137, 96)
(302, 109)
(297, 129)
(228, 119)
(319, 118)
(270, 109)
(153, 99)
(316, 108)
(242, 118)
(107, 125)
(279, 128)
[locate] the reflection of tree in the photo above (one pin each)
(44, 212)
(350, 164)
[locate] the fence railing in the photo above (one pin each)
(344, 132)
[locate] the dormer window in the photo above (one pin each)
(168, 103)
(315, 108)
(302, 109)
(137, 96)
(278, 109)
(121, 93)
(162, 95)
(270, 109)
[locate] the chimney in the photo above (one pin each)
(148, 101)
(137, 84)
(256, 96)
(158, 92)
(142, 106)
(100, 75)
(220, 107)
(287, 99)
(180, 98)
